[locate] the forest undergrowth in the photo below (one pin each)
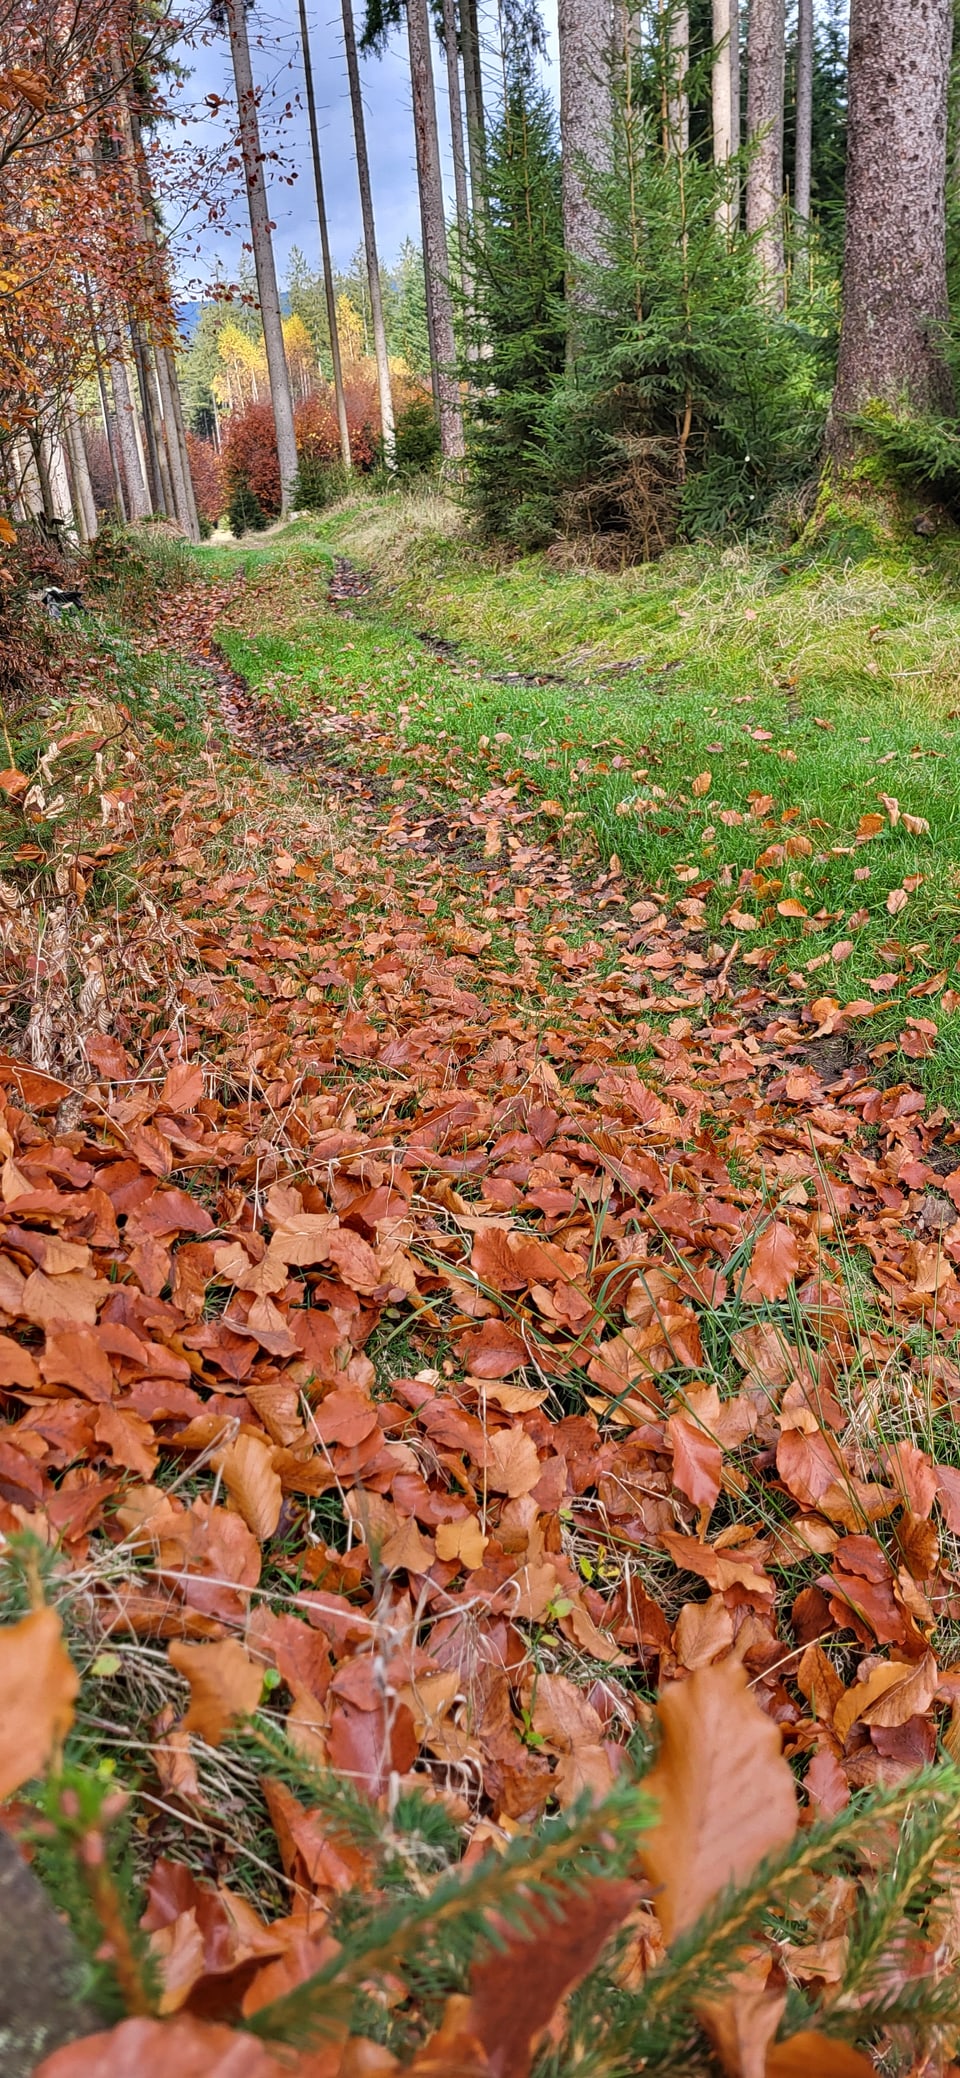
(479, 1274)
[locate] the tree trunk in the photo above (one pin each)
(262, 242)
(177, 439)
(765, 77)
(678, 99)
(473, 99)
(384, 385)
(894, 261)
(804, 152)
(80, 472)
(328, 288)
(434, 230)
(584, 29)
(456, 144)
(155, 484)
(726, 121)
(42, 2001)
(137, 497)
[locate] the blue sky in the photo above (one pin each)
(274, 35)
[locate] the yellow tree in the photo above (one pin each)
(301, 359)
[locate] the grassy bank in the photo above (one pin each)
(776, 732)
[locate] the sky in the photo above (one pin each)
(275, 46)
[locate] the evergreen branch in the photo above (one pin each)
(531, 1874)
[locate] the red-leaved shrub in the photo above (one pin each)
(206, 470)
(316, 424)
(250, 457)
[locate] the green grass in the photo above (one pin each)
(805, 685)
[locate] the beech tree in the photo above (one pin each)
(764, 186)
(328, 284)
(804, 112)
(894, 264)
(235, 14)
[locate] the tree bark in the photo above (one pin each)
(384, 385)
(154, 481)
(41, 2001)
(584, 29)
(80, 473)
(328, 288)
(456, 144)
(726, 118)
(894, 262)
(804, 114)
(473, 99)
(137, 497)
(262, 242)
(678, 99)
(765, 79)
(434, 231)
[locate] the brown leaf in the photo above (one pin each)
(775, 1261)
(38, 1688)
(515, 1993)
(812, 2055)
(185, 2047)
(225, 1685)
(252, 1483)
(724, 1792)
(697, 1461)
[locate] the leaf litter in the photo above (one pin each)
(451, 1324)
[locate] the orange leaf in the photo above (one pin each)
(462, 1540)
(38, 1688)
(252, 1483)
(775, 1261)
(897, 900)
(697, 1461)
(812, 2055)
(702, 784)
(725, 1794)
(187, 2047)
(516, 1992)
(225, 1685)
(8, 534)
(791, 907)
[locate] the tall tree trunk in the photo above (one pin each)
(473, 99)
(434, 230)
(804, 112)
(678, 99)
(155, 484)
(137, 497)
(80, 472)
(177, 452)
(765, 80)
(262, 243)
(456, 144)
(384, 385)
(724, 82)
(894, 261)
(585, 31)
(328, 288)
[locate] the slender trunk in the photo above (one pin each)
(456, 144)
(162, 431)
(434, 230)
(85, 503)
(328, 288)
(58, 477)
(678, 101)
(154, 480)
(177, 440)
(894, 263)
(262, 243)
(384, 385)
(108, 425)
(585, 30)
(804, 153)
(473, 99)
(726, 29)
(765, 78)
(137, 496)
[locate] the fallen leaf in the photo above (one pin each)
(38, 1688)
(725, 1794)
(225, 1685)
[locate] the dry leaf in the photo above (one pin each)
(38, 1688)
(725, 1794)
(225, 1685)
